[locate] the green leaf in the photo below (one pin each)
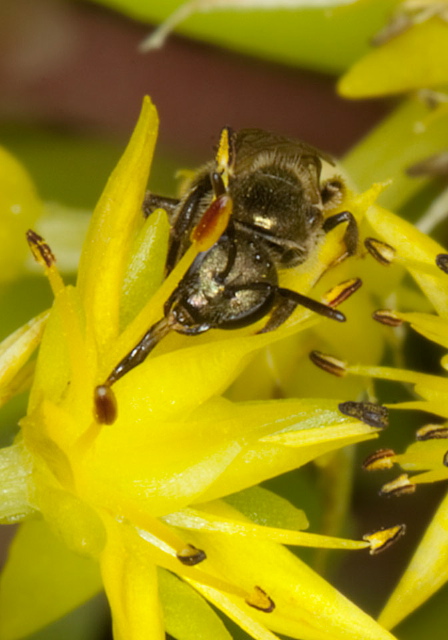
(317, 38)
(187, 615)
(267, 508)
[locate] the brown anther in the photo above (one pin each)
(384, 538)
(106, 409)
(381, 251)
(445, 460)
(328, 363)
(40, 249)
(260, 600)
(379, 460)
(190, 555)
(432, 432)
(387, 317)
(374, 415)
(399, 487)
(213, 223)
(342, 291)
(442, 262)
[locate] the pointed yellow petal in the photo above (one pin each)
(426, 573)
(207, 518)
(42, 581)
(131, 587)
(112, 230)
(18, 347)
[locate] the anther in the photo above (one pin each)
(379, 460)
(105, 404)
(432, 432)
(384, 538)
(328, 363)
(40, 249)
(342, 291)
(374, 415)
(442, 262)
(381, 251)
(445, 460)
(399, 487)
(387, 317)
(190, 555)
(260, 600)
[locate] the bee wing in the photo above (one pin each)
(249, 143)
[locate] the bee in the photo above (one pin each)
(278, 202)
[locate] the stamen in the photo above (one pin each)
(260, 600)
(374, 415)
(44, 256)
(381, 251)
(432, 432)
(442, 262)
(387, 317)
(399, 487)
(191, 556)
(379, 460)
(328, 363)
(342, 291)
(105, 403)
(384, 538)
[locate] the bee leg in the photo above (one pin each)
(105, 404)
(351, 232)
(140, 352)
(153, 202)
(231, 255)
(287, 301)
(184, 221)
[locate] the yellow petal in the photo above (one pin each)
(208, 518)
(304, 439)
(131, 587)
(42, 581)
(414, 59)
(111, 233)
(426, 573)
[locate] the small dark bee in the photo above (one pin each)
(273, 187)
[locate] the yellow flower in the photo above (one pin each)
(145, 502)
(427, 458)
